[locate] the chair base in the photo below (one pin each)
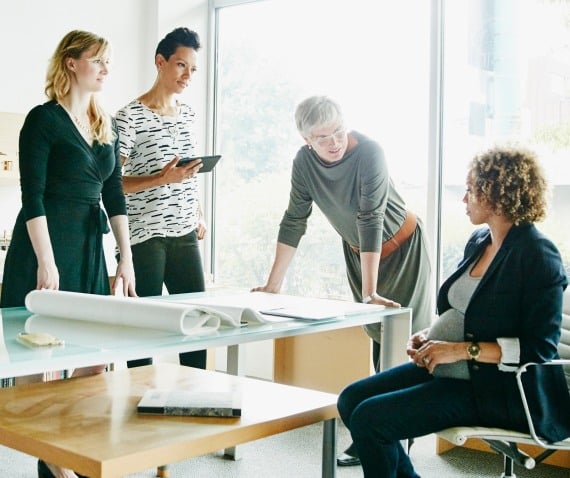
(512, 455)
(560, 458)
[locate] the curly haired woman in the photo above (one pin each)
(501, 308)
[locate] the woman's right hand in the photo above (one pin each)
(171, 173)
(47, 277)
(416, 341)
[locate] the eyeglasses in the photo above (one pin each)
(338, 135)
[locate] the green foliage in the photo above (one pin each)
(259, 140)
(248, 216)
(557, 137)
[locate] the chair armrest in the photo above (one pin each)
(459, 435)
(520, 371)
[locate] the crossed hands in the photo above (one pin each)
(430, 353)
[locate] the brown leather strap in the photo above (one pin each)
(399, 238)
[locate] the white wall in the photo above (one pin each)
(31, 29)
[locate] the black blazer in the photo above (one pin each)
(519, 296)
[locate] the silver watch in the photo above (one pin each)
(369, 298)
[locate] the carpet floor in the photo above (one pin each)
(297, 454)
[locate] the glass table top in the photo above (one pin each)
(91, 343)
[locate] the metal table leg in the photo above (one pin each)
(329, 448)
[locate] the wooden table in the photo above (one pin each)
(91, 425)
(97, 343)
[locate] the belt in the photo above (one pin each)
(401, 236)
(98, 226)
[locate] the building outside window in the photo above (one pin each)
(506, 79)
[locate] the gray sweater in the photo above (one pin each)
(356, 194)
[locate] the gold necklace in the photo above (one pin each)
(82, 126)
(86, 129)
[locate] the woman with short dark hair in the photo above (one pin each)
(163, 207)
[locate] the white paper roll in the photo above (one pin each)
(184, 319)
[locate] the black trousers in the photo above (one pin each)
(176, 263)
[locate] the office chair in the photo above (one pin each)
(505, 441)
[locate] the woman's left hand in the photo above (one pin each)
(436, 352)
(201, 229)
(126, 274)
(379, 300)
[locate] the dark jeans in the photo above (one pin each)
(351, 450)
(401, 403)
(175, 262)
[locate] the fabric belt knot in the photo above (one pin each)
(98, 225)
(401, 236)
(103, 222)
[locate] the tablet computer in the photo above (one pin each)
(208, 162)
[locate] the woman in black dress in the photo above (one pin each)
(69, 163)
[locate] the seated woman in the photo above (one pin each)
(502, 307)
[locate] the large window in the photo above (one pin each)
(371, 56)
(506, 78)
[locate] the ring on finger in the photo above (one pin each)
(426, 360)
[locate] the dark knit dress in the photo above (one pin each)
(63, 179)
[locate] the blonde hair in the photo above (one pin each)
(511, 181)
(58, 78)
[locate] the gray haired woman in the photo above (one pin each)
(346, 175)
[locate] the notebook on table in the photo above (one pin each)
(207, 403)
(319, 309)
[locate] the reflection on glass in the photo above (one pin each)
(4, 356)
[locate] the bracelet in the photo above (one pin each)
(370, 298)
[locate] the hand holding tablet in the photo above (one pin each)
(208, 162)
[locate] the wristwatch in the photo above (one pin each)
(369, 298)
(473, 350)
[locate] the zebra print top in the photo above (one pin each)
(148, 142)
